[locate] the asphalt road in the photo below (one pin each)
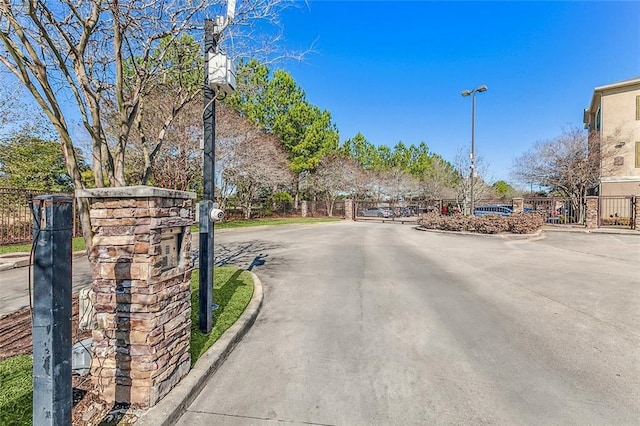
(380, 324)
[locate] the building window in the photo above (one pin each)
(638, 154)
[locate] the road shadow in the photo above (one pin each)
(244, 254)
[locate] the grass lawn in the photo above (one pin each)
(16, 390)
(232, 292)
(269, 221)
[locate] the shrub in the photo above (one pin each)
(525, 223)
(431, 221)
(458, 222)
(434, 220)
(490, 224)
(517, 223)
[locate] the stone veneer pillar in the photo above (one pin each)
(304, 208)
(348, 209)
(592, 212)
(141, 291)
(518, 205)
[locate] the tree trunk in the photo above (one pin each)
(330, 204)
(85, 222)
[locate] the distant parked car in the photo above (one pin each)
(377, 212)
(387, 212)
(405, 211)
(497, 210)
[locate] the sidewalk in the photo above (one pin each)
(582, 229)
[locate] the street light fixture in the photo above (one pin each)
(472, 167)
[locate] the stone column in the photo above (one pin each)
(304, 208)
(518, 205)
(141, 291)
(592, 212)
(348, 210)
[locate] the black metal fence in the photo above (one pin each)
(556, 210)
(15, 215)
(617, 211)
(323, 209)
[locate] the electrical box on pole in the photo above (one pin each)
(222, 73)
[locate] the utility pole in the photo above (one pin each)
(224, 79)
(208, 194)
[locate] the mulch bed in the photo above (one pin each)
(88, 408)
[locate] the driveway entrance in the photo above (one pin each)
(380, 324)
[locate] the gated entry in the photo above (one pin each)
(617, 211)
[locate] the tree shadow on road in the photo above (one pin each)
(245, 254)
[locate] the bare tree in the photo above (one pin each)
(568, 164)
(177, 160)
(231, 130)
(18, 116)
(439, 180)
(398, 184)
(104, 58)
(336, 175)
(9, 102)
(249, 160)
(462, 166)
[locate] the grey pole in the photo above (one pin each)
(473, 135)
(206, 227)
(52, 233)
(472, 167)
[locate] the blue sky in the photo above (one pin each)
(394, 70)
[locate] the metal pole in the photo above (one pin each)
(52, 233)
(206, 227)
(473, 133)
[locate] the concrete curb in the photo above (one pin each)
(22, 259)
(14, 260)
(171, 407)
(609, 231)
(477, 234)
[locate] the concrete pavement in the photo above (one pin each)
(380, 324)
(288, 377)
(14, 279)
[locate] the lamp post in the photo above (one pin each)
(472, 167)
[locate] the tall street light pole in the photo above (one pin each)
(472, 167)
